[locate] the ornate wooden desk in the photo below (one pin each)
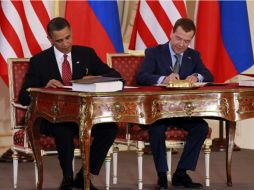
(142, 105)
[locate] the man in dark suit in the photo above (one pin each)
(167, 63)
(46, 69)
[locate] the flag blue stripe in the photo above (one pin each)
(107, 14)
(236, 33)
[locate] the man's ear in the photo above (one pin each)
(171, 33)
(50, 40)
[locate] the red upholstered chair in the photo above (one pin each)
(16, 71)
(132, 137)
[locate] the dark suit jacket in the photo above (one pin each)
(158, 62)
(43, 67)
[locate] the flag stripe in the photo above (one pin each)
(145, 34)
(214, 55)
(174, 14)
(229, 52)
(29, 36)
(154, 21)
(140, 43)
(236, 26)
(86, 16)
(42, 15)
(180, 6)
(5, 48)
(164, 21)
(39, 32)
(22, 30)
(3, 69)
(111, 26)
(9, 32)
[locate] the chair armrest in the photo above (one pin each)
(17, 105)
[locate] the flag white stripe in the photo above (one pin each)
(49, 5)
(152, 23)
(12, 15)
(38, 31)
(171, 11)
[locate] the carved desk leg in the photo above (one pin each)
(85, 135)
(230, 135)
(33, 135)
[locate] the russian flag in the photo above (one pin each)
(223, 37)
(95, 24)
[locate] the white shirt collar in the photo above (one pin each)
(172, 51)
(60, 57)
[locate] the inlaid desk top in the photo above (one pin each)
(142, 105)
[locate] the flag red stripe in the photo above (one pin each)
(163, 18)
(10, 34)
(31, 41)
(180, 7)
(4, 70)
(41, 12)
(134, 30)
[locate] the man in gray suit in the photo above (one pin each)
(46, 70)
(167, 63)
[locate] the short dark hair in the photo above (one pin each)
(186, 24)
(56, 24)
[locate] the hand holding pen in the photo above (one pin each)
(171, 78)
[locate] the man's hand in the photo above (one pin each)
(171, 78)
(192, 78)
(54, 84)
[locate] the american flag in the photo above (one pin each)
(22, 30)
(154, 22)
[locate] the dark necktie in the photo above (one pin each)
(66, 71)
(177, 63)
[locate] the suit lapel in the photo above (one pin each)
(187, 63)
(55, 69)
(166, 59)
(76, 61)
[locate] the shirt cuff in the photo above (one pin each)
(199, 76)
(159, 81)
